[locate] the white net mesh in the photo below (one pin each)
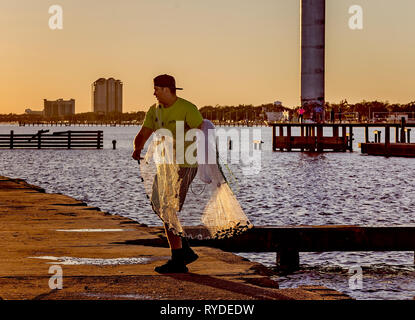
(199, 198)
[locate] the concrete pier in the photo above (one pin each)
(103, 256)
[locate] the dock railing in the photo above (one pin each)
(56, 140)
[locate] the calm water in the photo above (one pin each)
(290, 189)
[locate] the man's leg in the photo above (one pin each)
(181, 252)
(175, 242)
(187, 175)
(176, 264)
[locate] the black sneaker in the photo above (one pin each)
(172, 267)
(189, 256)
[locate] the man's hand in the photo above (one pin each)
(139, 141)
(136, 155)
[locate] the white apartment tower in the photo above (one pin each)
(107, 96)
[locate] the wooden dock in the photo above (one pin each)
(311, 137)
(65, 123)
(402, 147)
(289, 241)
(56, 140)
(389, 149)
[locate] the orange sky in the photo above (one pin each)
(221, 51)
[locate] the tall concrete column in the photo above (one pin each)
(313, 22)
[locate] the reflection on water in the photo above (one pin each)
(290, 189)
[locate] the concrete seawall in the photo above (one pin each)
(105, 256)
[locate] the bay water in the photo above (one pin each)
(291, 188)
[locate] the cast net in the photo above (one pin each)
(197, 197)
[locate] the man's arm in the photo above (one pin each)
(140, 140)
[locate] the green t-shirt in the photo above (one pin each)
(159, 117)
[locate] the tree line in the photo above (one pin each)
(365, 109)
(78, 117)
(241, 112)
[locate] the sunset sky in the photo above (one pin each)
(224, 52)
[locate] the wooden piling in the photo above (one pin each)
(344, 136)
(350, 138)
(274, 129)
(11, 138)
(289, 138)
(302, 136)
(319, 139)
(69, 139)
(313, 134)
(403, 138)
(288, 260)
(335, 131)
(99, 140)
(387, 139)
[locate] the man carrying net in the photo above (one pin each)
(171, 164)
(169, 110)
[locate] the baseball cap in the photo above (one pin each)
(165, 80)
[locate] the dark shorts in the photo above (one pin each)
(186, 176)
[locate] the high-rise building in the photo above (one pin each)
(107, 96)
(58, 108)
